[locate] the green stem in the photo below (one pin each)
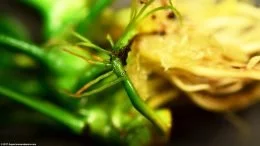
(136, 17)
(47, 108)
(30, 50)
(136, 100)
(124, 40)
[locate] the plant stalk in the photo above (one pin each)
(55, 112)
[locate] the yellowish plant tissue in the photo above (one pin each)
(212, 55)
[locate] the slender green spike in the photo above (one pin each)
(175, 11)
(95, 91)
(53, 111)
(144, 8)
(86, 59)
(153, 11)
(133, 10)
(170, 7)
(77, 35)
(89, 84)
(109, 38)
(87, 43)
